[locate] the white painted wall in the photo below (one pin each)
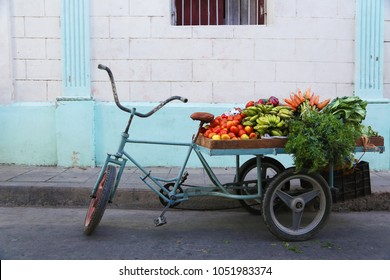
(305, 44)
(36, 50)
(6, 80)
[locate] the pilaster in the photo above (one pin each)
(75, 109)
(369, 48)
(75, 32)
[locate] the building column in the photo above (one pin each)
(6, 81)
(75, 109)
(369, 72)
(369, 48)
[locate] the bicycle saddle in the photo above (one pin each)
(203, 117)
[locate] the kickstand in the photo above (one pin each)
(161, 220)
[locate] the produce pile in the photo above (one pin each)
(317, 131)
(263, 118)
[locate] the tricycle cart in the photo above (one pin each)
(295, 205)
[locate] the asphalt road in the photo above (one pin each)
(56, 234)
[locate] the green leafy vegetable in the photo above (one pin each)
(318, 139)
(350, 109)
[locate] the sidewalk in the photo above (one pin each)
(71, 187)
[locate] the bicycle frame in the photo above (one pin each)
(156, 184)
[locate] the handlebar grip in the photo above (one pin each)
(102, 67)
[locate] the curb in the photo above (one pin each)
(69, 196)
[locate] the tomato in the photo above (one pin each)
(234, 129)
(241, 132)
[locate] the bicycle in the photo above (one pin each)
(261, 184)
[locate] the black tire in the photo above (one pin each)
(99, 202)
(247, 174)
(301, 211)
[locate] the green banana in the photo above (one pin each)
(254, 118)
(263, 120)
(246, 123)
(281, 124)
(250, 111)
(285, 116)
(276, 132)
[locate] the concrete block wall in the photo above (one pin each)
(304, 44)
(36, 46)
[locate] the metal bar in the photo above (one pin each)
(229, 152)
(239, 12)
(228, 12)
(190, 12)
(158, 143)
(200, 14)
(208, 12)
(237, 168)
(182, 12)
(249, 11)
(259, 173)
(216, 11)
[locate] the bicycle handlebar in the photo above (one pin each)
(128, 110)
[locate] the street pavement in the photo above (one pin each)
(57, 234)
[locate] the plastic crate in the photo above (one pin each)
(351, 183)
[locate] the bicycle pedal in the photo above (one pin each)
(159, 221)
(184, 178)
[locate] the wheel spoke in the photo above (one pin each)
(296, 219)
(285, 197)
(308, 196)
(264, 172)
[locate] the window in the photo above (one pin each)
(218, 12)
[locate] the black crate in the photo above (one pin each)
(351, 183)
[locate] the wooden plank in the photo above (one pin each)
(208, 143)
(241, 144)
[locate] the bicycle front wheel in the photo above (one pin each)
(299, 212)
(99, 201)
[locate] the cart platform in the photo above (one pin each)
(272, 145)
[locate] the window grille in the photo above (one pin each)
(218, 12)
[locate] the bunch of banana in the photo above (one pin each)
(272, 125)
(266, 118)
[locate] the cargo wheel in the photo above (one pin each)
(301, 211)
(248, 178)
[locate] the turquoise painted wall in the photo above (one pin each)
(75, 132)
(38, 134)
(377, 116)
(28, 134)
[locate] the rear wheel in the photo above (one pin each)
(247, 175)
(99, 201)
(300, 211)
